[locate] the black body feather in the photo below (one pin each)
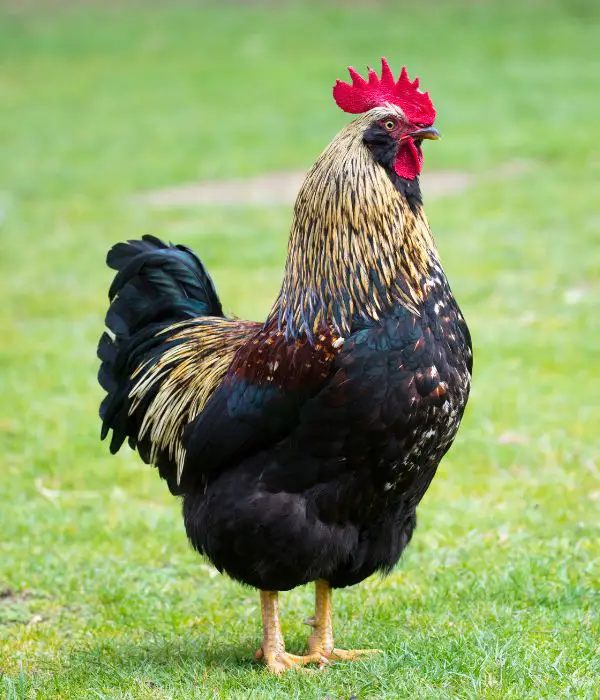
(326, 486)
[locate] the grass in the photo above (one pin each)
(498, 595)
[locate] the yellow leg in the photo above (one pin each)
(273, 650)
(321, 640)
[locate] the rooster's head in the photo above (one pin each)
(401, 117)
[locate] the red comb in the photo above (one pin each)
(362, 95)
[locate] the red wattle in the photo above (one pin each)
(409, 160)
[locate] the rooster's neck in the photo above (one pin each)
(359, 245)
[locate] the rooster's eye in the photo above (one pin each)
(389, 124)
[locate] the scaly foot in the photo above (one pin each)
(282, 661)
(272, 651)
(317, 646)
(320, 643)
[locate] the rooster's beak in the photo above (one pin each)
(429, 132)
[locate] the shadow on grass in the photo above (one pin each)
(156, 660)
(181, 657)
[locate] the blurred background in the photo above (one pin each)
(125, 118)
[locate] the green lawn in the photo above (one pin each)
(499, 594)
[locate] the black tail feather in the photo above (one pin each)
(156, 285)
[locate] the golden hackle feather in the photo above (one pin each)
(352, 228)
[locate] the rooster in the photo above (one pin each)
(302, 445)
